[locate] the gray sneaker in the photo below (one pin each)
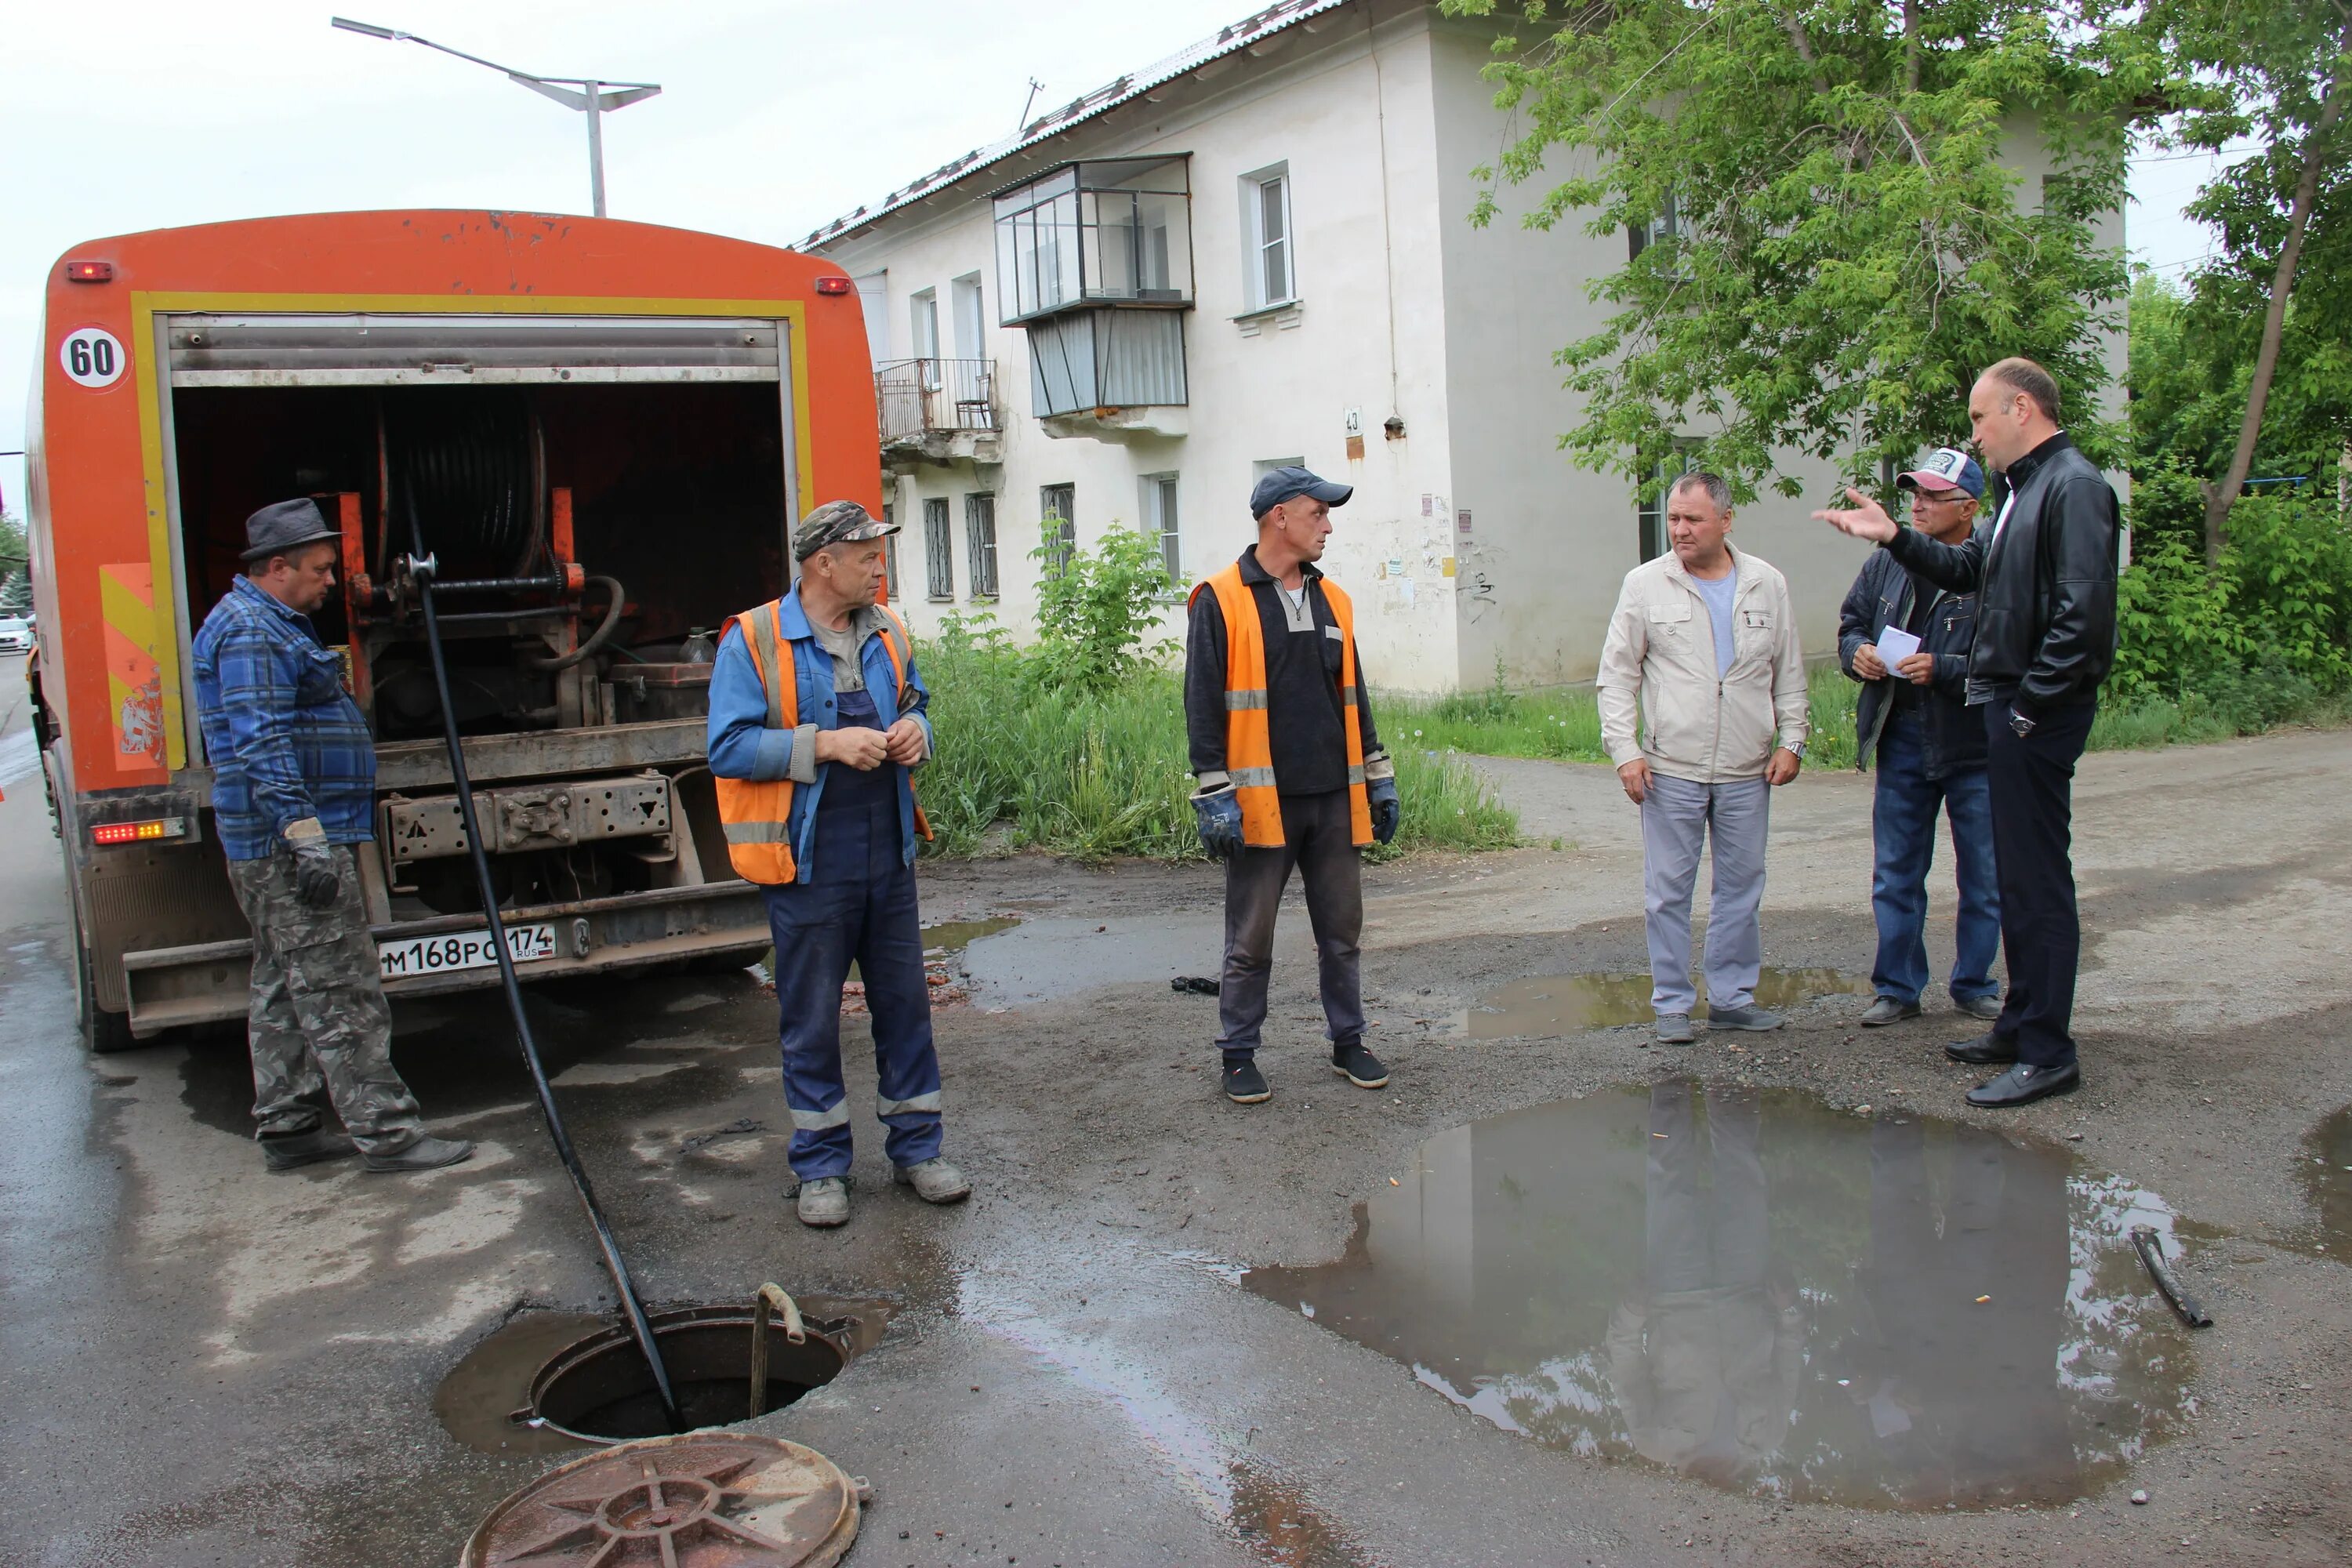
(824, 1201)
(426, 1153)
(1674, 1029)
(1749, 1018)
(291, 1150)
(1987, 1008)
(934, 1181)
(1887, 1010)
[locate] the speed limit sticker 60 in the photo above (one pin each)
(92, 357)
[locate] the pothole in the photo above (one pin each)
(1570, 1004)
(552, 1382)
(1758, 1290)
(2328, 1179)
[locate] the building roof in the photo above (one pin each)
(1240, 35)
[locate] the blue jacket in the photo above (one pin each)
(284, 740)
(741, 746)
(1882, 596)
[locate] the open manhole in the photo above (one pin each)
(551, 1382)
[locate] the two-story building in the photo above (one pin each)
(1258, 252)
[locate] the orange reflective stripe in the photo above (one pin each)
(1249, 739)
(755, 814)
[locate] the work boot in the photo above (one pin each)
(1244, 1085)
(824, 1201)
(1986, 1007)
(422, 1154)
(1353, 1062)
(934, 1181)
(1674, 1029)
(291, 1150)
(1887, 1010)
(1749, 1018)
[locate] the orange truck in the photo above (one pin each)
(606, 431)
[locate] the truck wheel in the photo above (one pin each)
(101, 1031)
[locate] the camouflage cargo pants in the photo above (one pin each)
(317, 1024)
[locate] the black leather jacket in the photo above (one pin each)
(2045, 589)
(1882, 597)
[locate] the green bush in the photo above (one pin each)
(1095, 608)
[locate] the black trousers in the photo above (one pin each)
(2033, 844)
(1319, 841)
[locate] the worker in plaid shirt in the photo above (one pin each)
(293, 789)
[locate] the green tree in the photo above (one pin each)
(1095, 608)
(15, 572)
(1840, 245)
(2278, 73)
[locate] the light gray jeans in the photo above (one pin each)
(1677, 820)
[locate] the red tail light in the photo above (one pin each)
(833, 285)
(132, 832)
(89, 271)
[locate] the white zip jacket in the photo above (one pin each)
(1659, 656)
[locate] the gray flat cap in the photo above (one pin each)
(285, 525)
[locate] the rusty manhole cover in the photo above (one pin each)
(705, 1499)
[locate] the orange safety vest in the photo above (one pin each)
(757, 813)
(1249, 743)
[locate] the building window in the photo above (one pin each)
(1666, 225)
(980, 542)
(1115, 229)
(971, 318)
(1651, 511)
(1159, 512)
(923, 327)
(890, 581)
(1058, 505)
(1271, 266)
(939, 555)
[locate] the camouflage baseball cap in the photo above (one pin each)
(837, 523)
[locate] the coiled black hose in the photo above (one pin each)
(469, 470)
(595, 640)
(631, 1307)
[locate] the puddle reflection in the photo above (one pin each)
(1759, 1291)
(1568, 1003)
(2329, 1178)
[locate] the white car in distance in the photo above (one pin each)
(15, 635)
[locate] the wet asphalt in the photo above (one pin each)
(203, 1362)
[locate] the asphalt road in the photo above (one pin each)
(200, 1363)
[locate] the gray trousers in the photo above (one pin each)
(1677, 820)
(1319, 841)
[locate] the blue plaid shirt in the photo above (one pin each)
(284, 740)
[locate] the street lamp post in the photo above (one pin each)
(586, 94)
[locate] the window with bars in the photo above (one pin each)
(939, 549)
(1058, 506)
(1158, 510)
(980, 544)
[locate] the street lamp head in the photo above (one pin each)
(370, 28)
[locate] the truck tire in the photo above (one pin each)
(103, 1033)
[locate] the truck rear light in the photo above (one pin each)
(133, 832)
(89, 271)
(832, 285)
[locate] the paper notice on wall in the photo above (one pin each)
(1427, 500)
(1895, 646)
(1461, 523)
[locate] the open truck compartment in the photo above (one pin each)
(597, 497)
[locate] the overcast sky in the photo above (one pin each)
(773, 116)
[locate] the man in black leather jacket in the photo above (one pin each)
(2045, 576)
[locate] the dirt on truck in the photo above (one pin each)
(604, 433)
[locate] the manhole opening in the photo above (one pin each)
(600, 1389)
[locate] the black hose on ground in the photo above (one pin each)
(631, 1308)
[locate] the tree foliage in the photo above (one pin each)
(1095, 608)
(1850, 241)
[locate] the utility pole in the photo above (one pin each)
(591, 97)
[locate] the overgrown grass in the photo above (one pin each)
(1566, 725)
(1093, 776)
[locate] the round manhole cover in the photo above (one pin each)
(705, 1499)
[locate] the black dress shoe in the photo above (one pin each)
(2022, 1085)
(1984, 1052)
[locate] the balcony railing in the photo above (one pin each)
(920, 397)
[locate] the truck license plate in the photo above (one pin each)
(461, 949)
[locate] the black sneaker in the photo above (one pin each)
(1359, 1066)
(1244, 1085)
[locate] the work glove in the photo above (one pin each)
(1219, 814)
(1387, 810)
(316, 880)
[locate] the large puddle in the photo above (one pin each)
(1754, 1290)
(1570, 1004)
(2329, 1178)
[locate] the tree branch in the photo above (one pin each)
(1805, 52)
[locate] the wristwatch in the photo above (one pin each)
(2018, 724)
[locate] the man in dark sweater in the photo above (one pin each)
(2044, 577)
(1291, 771)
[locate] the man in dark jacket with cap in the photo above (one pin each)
(1291, 771)
(2044, 577)
(293, 788)
(1907, 640)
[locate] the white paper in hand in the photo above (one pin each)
(1895, 646)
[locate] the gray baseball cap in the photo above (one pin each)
(837, 523)
(285, 525)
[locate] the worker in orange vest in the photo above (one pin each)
(817, 720)
(1291, 773)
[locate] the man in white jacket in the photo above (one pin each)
(1704, 638)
